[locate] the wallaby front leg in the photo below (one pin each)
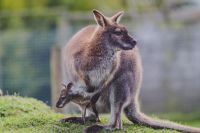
(95, 112)
(83, 114)
(93, 101)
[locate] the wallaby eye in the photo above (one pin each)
(118, 31)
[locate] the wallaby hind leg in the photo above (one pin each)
(118, 98)
(116, 106)
(116, 122)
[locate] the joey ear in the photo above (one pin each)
(117, 17)
(100, 18)
(69, 86)
(64, 85)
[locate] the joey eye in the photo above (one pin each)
(62, 97)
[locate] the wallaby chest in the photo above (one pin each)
(94, 70)
(100, 72)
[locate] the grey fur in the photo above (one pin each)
(96, 58)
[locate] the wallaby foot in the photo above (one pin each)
(112, 127)
(79, 120)
(94, 129)
(76, 120)
(99, 128)
(93, 118)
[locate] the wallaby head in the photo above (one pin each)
(65, 96)
(114, 34)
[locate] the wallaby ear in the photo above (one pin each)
(117, 17)
(100, 18)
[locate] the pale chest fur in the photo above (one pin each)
(101, 72)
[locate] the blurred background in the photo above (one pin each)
(32, 32)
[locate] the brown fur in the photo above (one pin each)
(105, 58)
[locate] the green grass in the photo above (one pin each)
(28, 115)
(191, 119)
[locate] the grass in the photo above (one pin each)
(28, 115)
(191, 119)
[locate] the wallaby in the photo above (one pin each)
(105, 56)
(67, 95)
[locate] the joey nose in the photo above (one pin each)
(58, 104)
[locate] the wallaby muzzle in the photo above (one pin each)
(63, 101)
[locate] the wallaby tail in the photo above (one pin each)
(135, 116)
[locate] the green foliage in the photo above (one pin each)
(78, 5)
(28, 115)
(20, 5)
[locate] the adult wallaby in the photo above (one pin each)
(105, 56)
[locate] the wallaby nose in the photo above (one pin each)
(134, 42)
